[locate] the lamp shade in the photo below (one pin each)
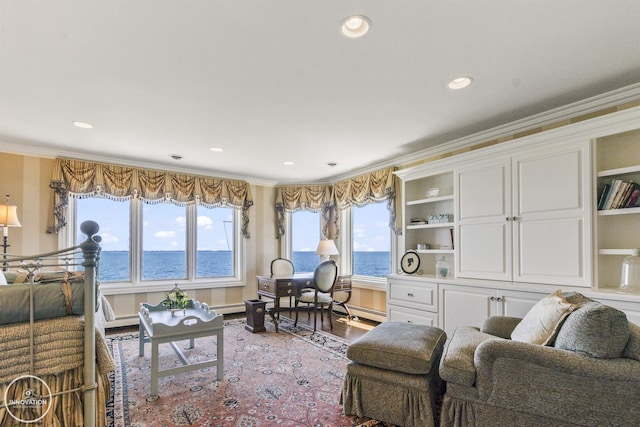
(9, 216)
(327, 248)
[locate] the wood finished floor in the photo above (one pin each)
(350, 330)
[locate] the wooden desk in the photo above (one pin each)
(276, 287)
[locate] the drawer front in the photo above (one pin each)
(286, 287)
(423, 295)
(267, 287)
(407, 315)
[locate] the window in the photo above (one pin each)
(305, 235)
(159, 243)
(370, 240)
(113, 219)
(164, 251)
(215, 242)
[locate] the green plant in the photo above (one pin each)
(176, 299)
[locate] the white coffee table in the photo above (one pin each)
(158, 325)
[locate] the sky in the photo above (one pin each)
(164, 226)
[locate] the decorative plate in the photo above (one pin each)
(432, 192)
(410, 262)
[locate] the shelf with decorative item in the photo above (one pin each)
(440, 225)
(430, 200)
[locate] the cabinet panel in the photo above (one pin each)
(482, 193)
(550, 249)
(484, 251)
(464, 306)
(518, 303)
(549, 183)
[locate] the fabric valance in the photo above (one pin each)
(369, 188)
(314, 198)
(85, 179)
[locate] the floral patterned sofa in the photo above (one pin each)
(577, 367)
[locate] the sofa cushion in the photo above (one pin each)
(541, 324)
(457, 364)
(632, 349)
(595, 330)
(399, 346)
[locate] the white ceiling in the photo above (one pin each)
(273, 80)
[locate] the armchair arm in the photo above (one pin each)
(500, 326)
(546, 380)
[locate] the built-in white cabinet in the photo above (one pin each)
(526, 217)
(618, 229)
(413, 301)
(461, 305)
(429, 217)
(525, 222)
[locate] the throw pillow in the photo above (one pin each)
(3, 280)
(541, 323)
(595, 330)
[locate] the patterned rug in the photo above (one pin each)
(292, 378)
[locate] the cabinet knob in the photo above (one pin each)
(492, 298)
(508, 218)
(515, 218)
(410, 295)
(409, 321)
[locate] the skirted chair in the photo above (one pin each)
(569, 362)
(321, 296)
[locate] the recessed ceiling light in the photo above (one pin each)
(288, 163)
(216, 149)
(82, 125)
(459, 83)
(355, 26)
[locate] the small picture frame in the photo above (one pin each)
(410, 262)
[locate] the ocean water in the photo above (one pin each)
(156, 265)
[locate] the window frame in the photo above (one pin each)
(136, 284)
(345, 247)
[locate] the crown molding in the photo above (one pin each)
(586, 106)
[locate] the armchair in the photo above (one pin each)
(495, 381)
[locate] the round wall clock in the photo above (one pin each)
(410, 262)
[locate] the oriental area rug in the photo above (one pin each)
(290, 378)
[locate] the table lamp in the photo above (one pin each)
(8, 218)
(326, 248)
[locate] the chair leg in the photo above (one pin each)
(315, 316)
(330, 311)
(296, 321)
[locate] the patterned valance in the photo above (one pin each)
(85, 179)
(369, 188)
(314, 198)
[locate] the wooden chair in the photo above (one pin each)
(324, 279)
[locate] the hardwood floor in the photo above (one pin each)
(343, 328)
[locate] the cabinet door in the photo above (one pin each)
(465, 306)
(551, 219)
(517, 303)
(484, 234)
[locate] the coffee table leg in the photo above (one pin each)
(220, 355)
(154, 368)
(141, 339)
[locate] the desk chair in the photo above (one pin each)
(324, 278)
(283, 267)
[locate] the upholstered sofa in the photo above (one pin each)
(584, 370)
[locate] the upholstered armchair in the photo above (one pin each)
(586, 374)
